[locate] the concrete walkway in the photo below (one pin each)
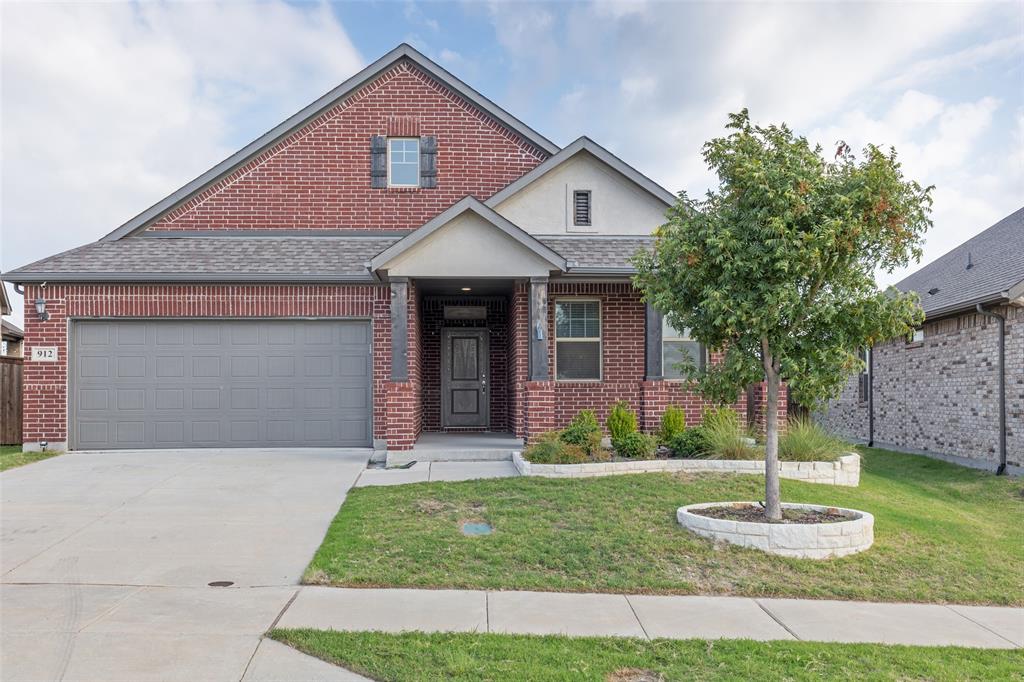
(422, 472)
(673, 617)
(106, 560)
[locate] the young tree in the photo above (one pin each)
(776, 266)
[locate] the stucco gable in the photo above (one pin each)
(623, 200)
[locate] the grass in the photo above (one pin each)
(11, 456)
(410, 657)
(943, 533)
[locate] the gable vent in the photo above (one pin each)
(581, 207)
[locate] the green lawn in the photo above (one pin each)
(418, 656)
(11, 456)
(943, 533)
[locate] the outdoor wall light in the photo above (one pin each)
(467, 288)
(41, 309)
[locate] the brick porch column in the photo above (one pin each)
(540, 408)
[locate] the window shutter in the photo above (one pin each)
(378, 162)
(428, 162)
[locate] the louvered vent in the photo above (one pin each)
(581, 207)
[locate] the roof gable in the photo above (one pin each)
(482, 246)
(266, 146)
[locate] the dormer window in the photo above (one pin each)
(581, 208)
(403, 162)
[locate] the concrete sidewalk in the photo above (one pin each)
(421, 472)
(646, 616)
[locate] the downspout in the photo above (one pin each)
(1001, 325)
(871, 396)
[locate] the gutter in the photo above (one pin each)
(1001, 326)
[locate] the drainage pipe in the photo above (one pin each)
(1001, 326)
(871, 396)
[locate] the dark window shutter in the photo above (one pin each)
(428, 162)
(378, 162)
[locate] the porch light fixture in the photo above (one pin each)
(467, 288)
(41, 309)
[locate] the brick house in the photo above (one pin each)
(938, 393)
(401, 256)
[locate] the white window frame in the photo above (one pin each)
(665, 337)
(599, 339)
(418, 153)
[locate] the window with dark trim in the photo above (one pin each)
(581, 208)
(676, 346)
(578, 340)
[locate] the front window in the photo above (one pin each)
(403, 162)
(675, 347)
(578, 340)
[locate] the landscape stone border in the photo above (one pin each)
(802, 540)
(844, 471)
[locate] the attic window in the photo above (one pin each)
(404, 162)
(581, 208)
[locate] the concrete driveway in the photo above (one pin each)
(106, 560)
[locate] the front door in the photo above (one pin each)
(464, 369)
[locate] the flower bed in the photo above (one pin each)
(802, 540)
(844, 471)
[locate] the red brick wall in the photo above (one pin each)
(519, 355)
(319, 177)
(45, 392)
(622, 333)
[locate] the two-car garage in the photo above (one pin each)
(220, 383)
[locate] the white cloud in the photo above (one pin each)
(108, 108)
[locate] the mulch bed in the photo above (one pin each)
(755, 514)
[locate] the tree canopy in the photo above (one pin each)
(784, 252)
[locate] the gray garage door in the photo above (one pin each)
(223, 383)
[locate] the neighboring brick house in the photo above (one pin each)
(400, 256)
(938, 393)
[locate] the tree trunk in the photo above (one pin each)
(772, 496)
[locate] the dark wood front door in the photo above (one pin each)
(464, 370)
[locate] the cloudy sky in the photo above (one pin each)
(107, 108)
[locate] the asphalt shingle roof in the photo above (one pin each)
(315, 258)
(997, 264)
(203, 257)
(590, 252)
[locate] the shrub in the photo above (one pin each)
(550, 449)
(726, 438)
(621, 421)
(584, 431)
(673, 422)
(692, 442)
(636, 445)
(805, 441)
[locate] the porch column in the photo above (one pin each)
(539, 329)
(399, 329)
(653, 370)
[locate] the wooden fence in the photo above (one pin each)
(10, 400)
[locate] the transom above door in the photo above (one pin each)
(465, 355)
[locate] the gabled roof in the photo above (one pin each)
(585, 144)
(310, 112)
(996, 271)
(474, 205)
